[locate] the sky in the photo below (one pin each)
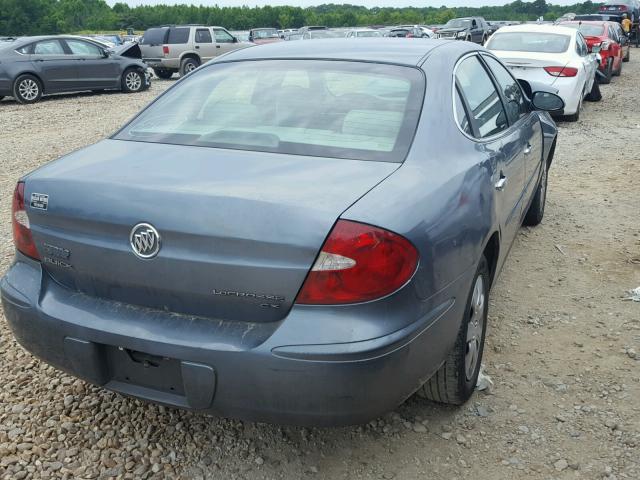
(307, 3)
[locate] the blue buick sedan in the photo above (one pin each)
(288, 234)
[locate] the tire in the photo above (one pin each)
(594, 94)
(456, 379)
(484, 40)
(27, 89)
(163, 73)
(132, 81)
(1, 97)
(608, 73)
(627, 56)
(468, 39)
(618, 72)
(536, 209)
(188, 65)
(573, 118)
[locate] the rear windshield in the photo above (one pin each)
(587, 30)
(338, 109)
(529, 42)
(154, 36)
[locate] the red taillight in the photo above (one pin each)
(561, 71)
(358, 263)
(165, 50)
(22, 237)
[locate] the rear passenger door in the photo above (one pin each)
(524, 122)
(204, 44)
(56, 69)
(490, 127)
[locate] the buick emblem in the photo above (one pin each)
(144, 240)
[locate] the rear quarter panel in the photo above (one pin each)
(442, 196)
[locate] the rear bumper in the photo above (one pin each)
(233, 369)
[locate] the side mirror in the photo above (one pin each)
(106, 53)
(235, 40)
(547, 101)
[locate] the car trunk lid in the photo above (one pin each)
(239, 230)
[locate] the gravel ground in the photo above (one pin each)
(562, 347)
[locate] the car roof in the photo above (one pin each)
(380, 50)
(535, 28)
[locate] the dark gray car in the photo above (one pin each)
(34, 66)
(287, 234)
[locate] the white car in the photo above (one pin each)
(552, 55)
(363, 33)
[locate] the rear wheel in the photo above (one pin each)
(163, 73)
(627, 55)
(27, 89)
(188, 65)
(132, 81)
(536, 210)
(456, 380)
(618, 71)
(608, 72)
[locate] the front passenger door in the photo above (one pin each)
(225, 42)
(94, 69)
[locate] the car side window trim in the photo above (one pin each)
(499, 88)
(472, 120)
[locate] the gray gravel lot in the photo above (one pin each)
(562, 349)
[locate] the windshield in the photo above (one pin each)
(338, 109)
(588, 30)
(458, 23)
(529, 42)
(265, 33)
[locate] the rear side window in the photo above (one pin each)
(337, 109)
(482, 97)
(178, 35)
(203, 35)
(515, 106)
(48, 47)
(154, 36)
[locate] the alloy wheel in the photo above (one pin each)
(133, 81)
(475, 328)
(28, 89)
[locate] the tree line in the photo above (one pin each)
(35, 17)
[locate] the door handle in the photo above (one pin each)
(217, 46)
(500, 184)
(527, 149)
(197, 47)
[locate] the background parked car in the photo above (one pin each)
(471, 29)
(184, 48)
(34, 66)
(261, 36)
(618, 7)
(552, 55)
(325, 33)
(603, 38)
(407, 32)
(363, 33)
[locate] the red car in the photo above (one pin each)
(606, 39)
